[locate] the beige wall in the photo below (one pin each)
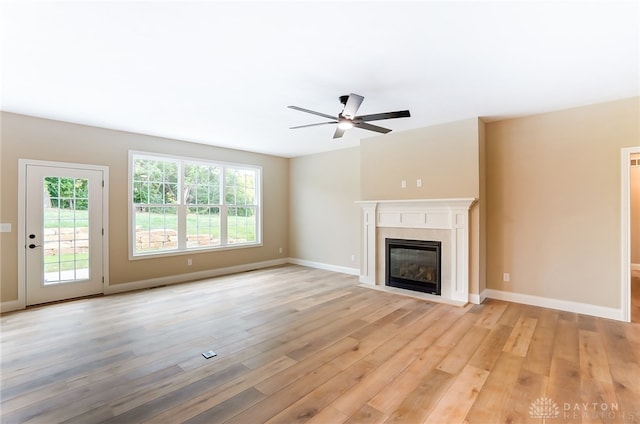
(325, 221)
(32, 138)
(445, 157)
(553, 212)
(635, 212)
(551, 179)
(448, 158)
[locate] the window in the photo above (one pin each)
(182, 204)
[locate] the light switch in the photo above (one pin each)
(403, 183)
(5, 227)
(419, 182)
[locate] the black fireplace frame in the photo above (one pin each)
(433, 287)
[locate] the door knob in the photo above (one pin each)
(33, 246)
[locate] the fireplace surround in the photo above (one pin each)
(444, 220)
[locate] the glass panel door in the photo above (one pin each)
(64, 240)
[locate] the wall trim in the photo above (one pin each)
(191, 276)
(483, 295)
(474, 298)
(562, 305)
(327, 267)
(544, 302)
(12, 305)
(477, 299)
(17, 304)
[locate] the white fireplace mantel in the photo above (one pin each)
(441, 214)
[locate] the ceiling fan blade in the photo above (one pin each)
(371, 127)
(353, 104)
(313, 125)
(339, 132)
(301, 109)
(386, 115)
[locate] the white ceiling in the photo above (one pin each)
(222, 73)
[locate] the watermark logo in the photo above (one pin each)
(544, 408)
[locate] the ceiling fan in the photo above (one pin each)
(348, 119)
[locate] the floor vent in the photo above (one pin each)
(209, 354)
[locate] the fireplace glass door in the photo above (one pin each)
(413, 265)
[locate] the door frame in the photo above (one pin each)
(22, 222)
(625, 233)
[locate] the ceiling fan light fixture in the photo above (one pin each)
(345, 124)
(348, 118)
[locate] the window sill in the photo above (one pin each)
(164, 254)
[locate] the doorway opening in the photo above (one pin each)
(634, 239)
(630, 233)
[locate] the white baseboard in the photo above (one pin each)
(483, 295)
(328, 267)
(12, 305)
(562, 305)
(545, 302)
(191, 276)
(477, 299)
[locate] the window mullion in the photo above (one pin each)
(223, 208)
(182, 226)
(182, 208)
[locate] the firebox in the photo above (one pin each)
(413, 265)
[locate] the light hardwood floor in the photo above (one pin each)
(297, 345)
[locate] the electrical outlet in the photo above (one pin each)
(419, 182)
(280, 250)
(189, 262)
(353, 258)
(403, 183)
(506, 277)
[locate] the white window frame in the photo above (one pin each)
(182, 248)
